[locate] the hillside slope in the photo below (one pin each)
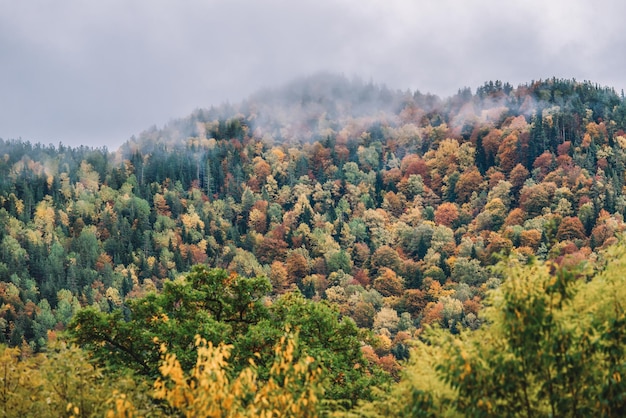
(390, 205)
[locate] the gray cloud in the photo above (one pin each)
(94, 73)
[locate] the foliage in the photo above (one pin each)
(61, 383)
(210, 302)
(364, 199)
(229, 309)
(291, 390)
(553, 346)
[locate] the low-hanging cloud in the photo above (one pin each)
(95, 73)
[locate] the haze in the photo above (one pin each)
(95, 73)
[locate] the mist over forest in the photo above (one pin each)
(328, 247)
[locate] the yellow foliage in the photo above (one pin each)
(34, 237)
(191, 220)
(163, 239)
(209, 391)
(89, 178)
(151, 261)
(113, 295)
(450, 155)
(436, 291)
(44, 214)
(66, 185)
(19, 204)
(64, 218)
(61, 383)
(621, 140)
(257, 220)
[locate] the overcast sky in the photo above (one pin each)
(97, 72)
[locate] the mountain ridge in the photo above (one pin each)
(311, 107)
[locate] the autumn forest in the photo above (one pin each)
(328, 248)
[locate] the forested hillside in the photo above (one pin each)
(329, 207)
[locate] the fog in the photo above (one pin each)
(95, 73)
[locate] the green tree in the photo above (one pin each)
(469, 271)
(553, 346)
(228, 308)
(209, 302)
(339, 260)
(334, 341)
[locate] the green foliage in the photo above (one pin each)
(553, 346)
(222, 307)
(339, 260)
(469, 272)
(209, 302)
(335, 344)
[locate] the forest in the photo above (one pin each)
(328, 248)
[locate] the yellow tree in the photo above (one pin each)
(292, 389)
(44, 219)
(61, 383)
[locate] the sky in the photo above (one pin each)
(83, 72)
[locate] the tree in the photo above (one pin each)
(385, 256)
(553, 346)
(388, 283)
(412, 186)
(334, 342)
(230, 309)
(414, 301)
(508, 153)
(297, 267)
(257, 221)
(209, 302)
(339, 260)
(278, 276)
(469, 182)
(468, 271)
(530, 238)
(87, 249)
(515, 217)
(394, 203)
(570, 228)
(62, 382)
(363, 314)
(518, 176)
(493, 216)
(387, 318)
(245, 263)
(544, 163)
(587, 216)
(533, 199)
(293, 387)
(447, 214)
(270, 249)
